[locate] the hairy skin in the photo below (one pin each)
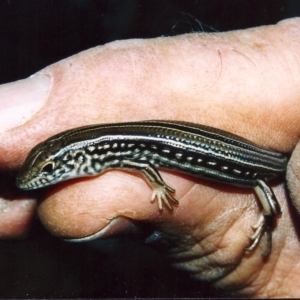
(246, 82)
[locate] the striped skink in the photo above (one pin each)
(197, 150)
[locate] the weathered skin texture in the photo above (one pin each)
(246, 82)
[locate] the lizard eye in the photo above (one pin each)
(48, 167)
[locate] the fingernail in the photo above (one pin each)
(116, 227)
(20, 100)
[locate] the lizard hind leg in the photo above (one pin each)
(271, 208)
(263, 225)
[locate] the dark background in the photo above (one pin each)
(36, 33)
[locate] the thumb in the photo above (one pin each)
(20, 101)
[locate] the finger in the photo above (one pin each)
(293, 178)
(19, 102)
(94, 86)
(17, 209)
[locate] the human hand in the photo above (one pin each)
(244, 82)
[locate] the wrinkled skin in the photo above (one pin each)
(246, 82)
